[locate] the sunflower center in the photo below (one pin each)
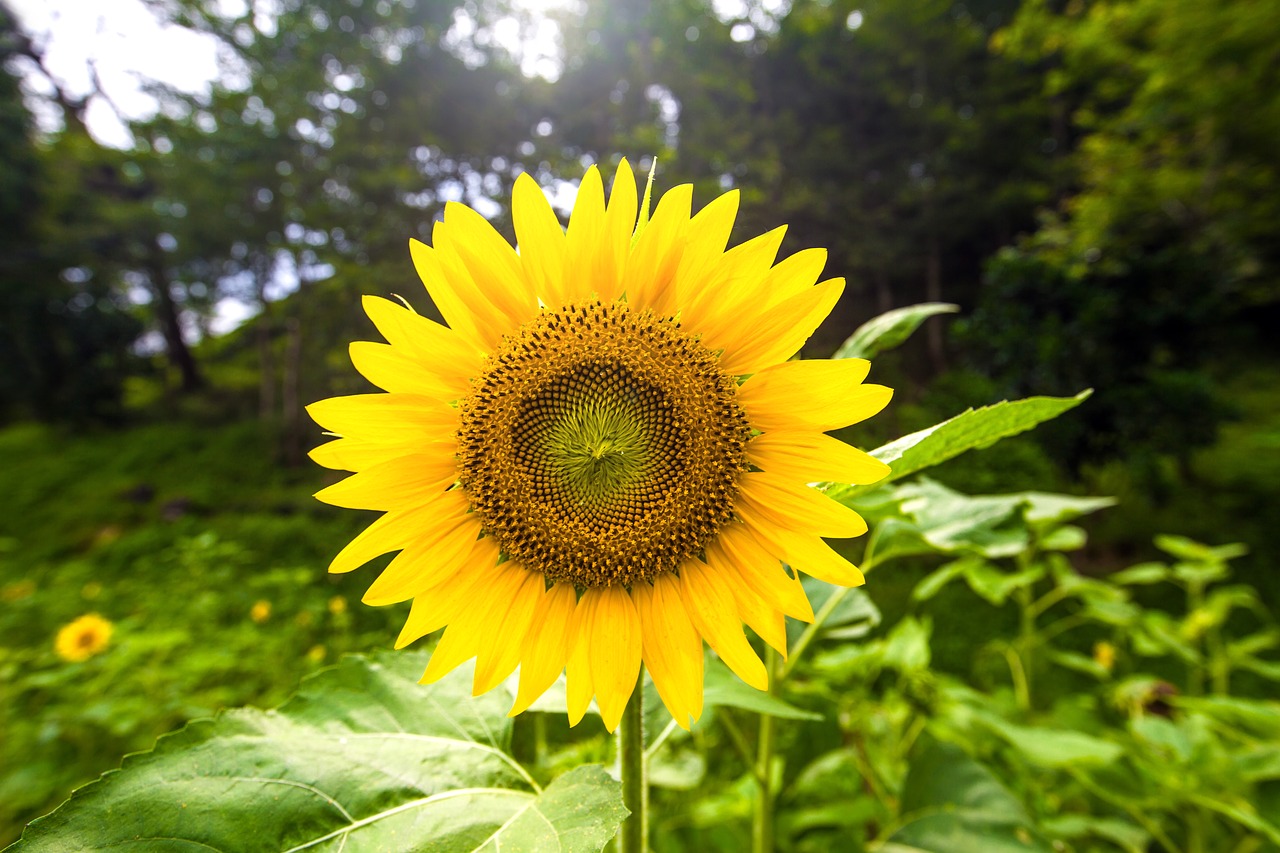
(602, 445)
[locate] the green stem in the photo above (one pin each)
(811, 632)
(824, 613)
(1021, 689)
(657, 743)
(1066, 623)
(1049, 599)
(762, 826)
(634, 837)
(738, 739)
(1026, 636)
(1195, 669)
(539, 740)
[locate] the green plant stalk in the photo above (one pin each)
(819, 619)
(1195, 670)
(1021, 689)
(539, 740)
(1219, 663)
(738, 739)
(634, 837)
(1026, 632)
(762, 825)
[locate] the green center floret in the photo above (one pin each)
(599, 449)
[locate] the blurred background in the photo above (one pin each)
(194, 193)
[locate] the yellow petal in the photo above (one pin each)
(540, 236)
(714, 612)
(586, 254)
(348, 454)
(803, 552)
(798, 507)
(491, 320)
(438, 348)
(396, 484)
(352, 454)
(392, 370)
(818, 395)
(735, 549)
(505, 629)
(769, 624)
(545, 650)
(793, 275)
(706, 236)
(612, 633)
(735, 287)
(439, 606)
(454, 296)
(781, 331)
(399, 528)
(813, 457)
(577, 671)
(387, 418)
(426, 564)
(620, 224)
(455, 646)
(492, 264)
(671, 647)
(653, 261)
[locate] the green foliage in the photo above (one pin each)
(1152, 263)
(951, 802)
(356, 761)
(889, 330)
(1071, 712)
(976, 428)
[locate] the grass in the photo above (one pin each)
(174, 532)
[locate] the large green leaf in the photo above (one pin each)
(890, 329)
(363, 758)
(952, 804)
(970, 430)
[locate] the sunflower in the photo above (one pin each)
(603, 457)
(83, 638)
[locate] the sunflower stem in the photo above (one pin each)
(634, 837)
(762, 826)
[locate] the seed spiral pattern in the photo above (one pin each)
(602, 445)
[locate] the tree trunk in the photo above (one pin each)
(266, 355)
(170, 324)
(290, 398)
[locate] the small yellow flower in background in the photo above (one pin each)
(338, 605)
(261, 611)
(604, 456)
(316, 654)
(17, 590)
(108, 534)
(83, 638)
(1104, 655)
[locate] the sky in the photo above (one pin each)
(125, 44)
